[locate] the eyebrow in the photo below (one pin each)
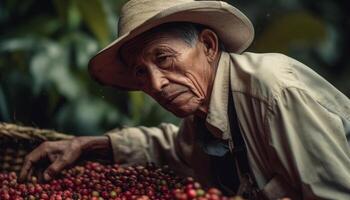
(132, 47)
(162, 49)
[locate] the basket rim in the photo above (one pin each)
(15, 131)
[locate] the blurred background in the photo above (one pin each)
(45, 47)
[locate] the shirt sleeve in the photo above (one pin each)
(310, 145)
(138, 145)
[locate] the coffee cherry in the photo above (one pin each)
(34, 179)
(191, 193)
(109, 182)
(200, 192)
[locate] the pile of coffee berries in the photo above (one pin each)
(108, 182)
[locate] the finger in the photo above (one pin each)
(31, 159)
(53, 157)
(55, 167)
(27, 165)
(30, 173)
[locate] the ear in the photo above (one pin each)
(210, 42)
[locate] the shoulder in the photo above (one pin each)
(263, 75)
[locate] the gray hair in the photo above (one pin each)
(186, 30)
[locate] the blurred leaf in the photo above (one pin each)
(43, 62)
(51, 65)
(74, 16)
(85, 48)
(62, 7)
(68, 85)
(290, 29)
(117, 4)
(5, 115)
(95, 17)
(15, 44)
(137, 104)
(68, 13)
(86, 114)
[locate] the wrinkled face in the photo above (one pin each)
(177, 75)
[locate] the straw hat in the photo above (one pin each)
(137, 16)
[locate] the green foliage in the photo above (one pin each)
(95, 17)
(316, 34)
(45, 47)
(44, 79)
(298, 29)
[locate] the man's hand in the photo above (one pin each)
(61, 154)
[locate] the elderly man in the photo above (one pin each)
(261, 125)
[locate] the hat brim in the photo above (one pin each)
(232, 27)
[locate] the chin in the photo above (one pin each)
(181, 114)
(184, 110)
(184, 105)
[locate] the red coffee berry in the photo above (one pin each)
(108, 182)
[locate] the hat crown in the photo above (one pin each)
(136, 12)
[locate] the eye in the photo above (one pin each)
(164, 59)
(140, 71)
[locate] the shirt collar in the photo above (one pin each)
(217, 117)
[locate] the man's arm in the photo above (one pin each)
(309, 143)
(133, 145)
(160, 145)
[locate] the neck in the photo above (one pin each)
(202, 111)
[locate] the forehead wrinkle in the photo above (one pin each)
(144, 45)
(154, 43)
(151, 37)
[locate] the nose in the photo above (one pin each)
(157, 79)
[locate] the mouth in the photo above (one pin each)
(171, 97)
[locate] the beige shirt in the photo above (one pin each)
(294, 124)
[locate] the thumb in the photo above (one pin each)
(58, 165)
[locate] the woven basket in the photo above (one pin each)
(17, 141)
